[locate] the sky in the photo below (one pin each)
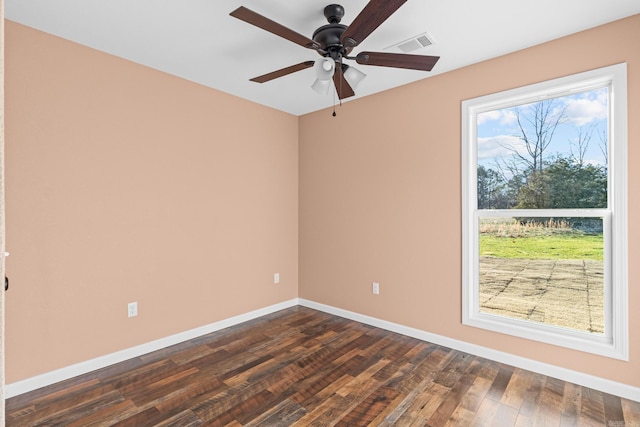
(583, 112)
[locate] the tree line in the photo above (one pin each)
(562, 183)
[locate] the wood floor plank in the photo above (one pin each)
(301, 367)
(285, 413)
(152, 394)
(592, 407)
(424, 371)
(184, 419)
(631, 412)
(506, 416)
(571, 404)
(472, 400)
(422, 406)
(382, 418)
(549, 410)
(149, 417)
(71, 391)
(454, 369)
(323, 392)
(84, 409)
(516, 389)
(305, 389)
(612, 408)
(309, 370)
(74, 402)
(49, 394)
(142, 376)
(425, 406)
(241, 406)
(364, 413)
(484, 368)
(265, 366)
(398, 370)
(500, 383)
(452, 400)
(531, 398)
(106, 416)
(358, 391)
(326, 414)
(351, 395)
(460, 417)
(194, 352)
(486, 413)
(524, 421)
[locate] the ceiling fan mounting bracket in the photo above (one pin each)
(334, 13)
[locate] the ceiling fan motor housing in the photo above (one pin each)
(328, 36)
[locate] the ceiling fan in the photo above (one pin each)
(334, 42)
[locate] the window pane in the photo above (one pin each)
(549, 154)
(544, 270)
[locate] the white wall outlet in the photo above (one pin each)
(375, 288)
(132, 309)
(276, 278)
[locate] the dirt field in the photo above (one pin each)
(566, 293)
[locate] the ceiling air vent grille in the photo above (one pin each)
(414, 43)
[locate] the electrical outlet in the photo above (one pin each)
(276, 278)
(375, 288)
(132, 309)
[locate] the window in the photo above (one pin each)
(544, 188)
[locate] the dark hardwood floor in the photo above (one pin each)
(307, 368)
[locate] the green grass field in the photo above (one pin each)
(570, 246)
(507, 238)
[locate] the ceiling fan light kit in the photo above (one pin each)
(334, 43)
(321, 86)
(353, 75)
(324, 68)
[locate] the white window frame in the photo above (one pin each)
(614, 342)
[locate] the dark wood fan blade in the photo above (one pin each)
(283, 72)
(397, 60)
(370, 18)
(343, 87)
(267, 24)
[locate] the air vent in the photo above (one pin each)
(414, 43)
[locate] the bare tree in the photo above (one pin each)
(536, 129)
(579, 147)
(507, 167)
(544, 120)
(603, 143)
(537, 125)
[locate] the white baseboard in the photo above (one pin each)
(81, 368)
(596, 383)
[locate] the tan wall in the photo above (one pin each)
(381, 199)
(126, 184)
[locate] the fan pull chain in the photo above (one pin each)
(334, 103)
(339, 97)
(340, 91)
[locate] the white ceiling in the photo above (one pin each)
(198, 40)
